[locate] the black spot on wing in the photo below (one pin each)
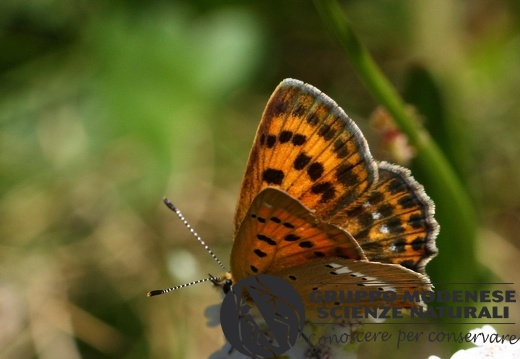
(312, 119)
(299, 110)
(418, 243)
(399, 245)
(346, 176)
(365, 220)
(376, 197)
(315, 171)
(301, 161)
(409, 201)
(292, 238)
(417, 221)
(340, 148)
(266, 239)
(306, 244)
(299, 139)
(396, 186)
(259, 253)
(326, 189)
(285, 136)
(278, 105)
(394, 226)
(386, 210)
(327, 132)
(273, 176)
(270, 141)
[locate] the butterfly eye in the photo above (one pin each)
(226, 287)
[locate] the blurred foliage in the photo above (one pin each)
(106, 107)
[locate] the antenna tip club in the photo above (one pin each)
(170, 205)
(154, 293)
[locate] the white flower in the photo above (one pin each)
(227, 352)
(317, 343)
(487, 349)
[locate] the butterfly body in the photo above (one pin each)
(317, 210)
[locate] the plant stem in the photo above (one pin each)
(454, 199)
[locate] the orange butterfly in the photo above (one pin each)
(315, 207)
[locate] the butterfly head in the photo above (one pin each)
(225, 282)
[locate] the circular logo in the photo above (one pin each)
(262, 316)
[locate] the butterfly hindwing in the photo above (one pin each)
(280, 232)
(341, 278)
(395, 223)
(308, 147)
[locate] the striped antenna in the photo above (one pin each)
(195, 234)
(153, 293)
(190, 228)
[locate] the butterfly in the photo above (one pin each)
(315, 207)
(317, 210)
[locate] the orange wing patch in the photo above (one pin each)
(308, 147)
(281, 233)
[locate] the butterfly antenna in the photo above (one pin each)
(190, 228)
(164, 291)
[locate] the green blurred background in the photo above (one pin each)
(106, 107)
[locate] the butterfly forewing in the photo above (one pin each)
(279, 232)
(308, 147)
